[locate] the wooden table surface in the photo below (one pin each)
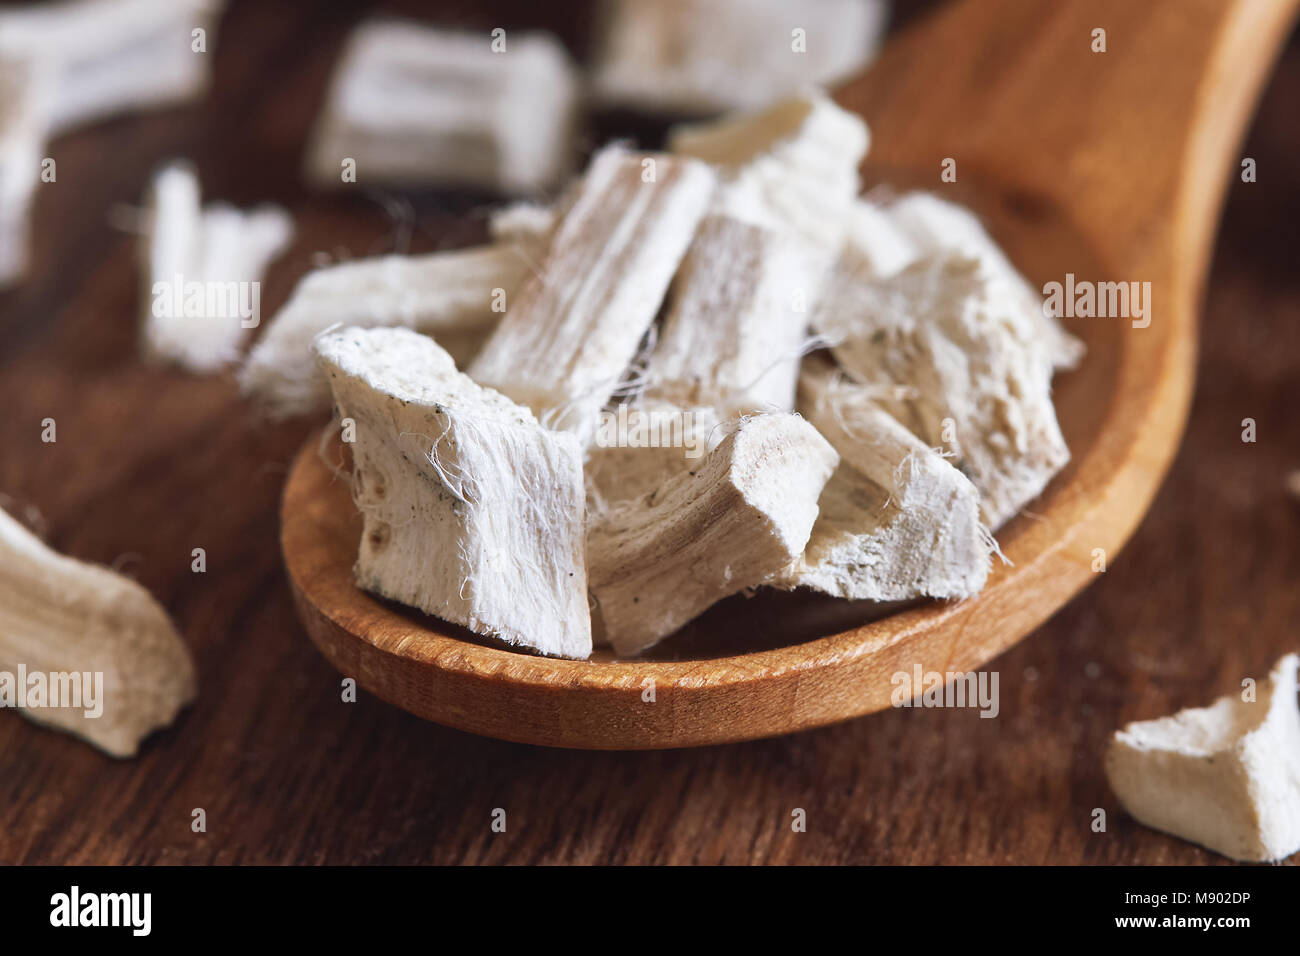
(152, 463)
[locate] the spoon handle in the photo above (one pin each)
(1123, 115)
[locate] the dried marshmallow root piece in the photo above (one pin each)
(797, 161)
(412, 104)
(81, 625)
(942, 343)
(107, 57)
(738, 321)
(473, 511)
(709, 56)
(896, 520)
(641, 445)
(1225, 776)
(22, 132)
(876, 242)
(571, 330)
(528, 223)
(730, 345)
(935, 225)
(737, 520)
(202, 270)
(447, 295)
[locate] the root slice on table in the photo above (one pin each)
(65, 622)
(1225, 776)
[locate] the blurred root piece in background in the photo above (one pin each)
(415, 105)
(202, 270)
(105, 57)
(22, 134)
(66, 625)
(64, 65)
(698, 57)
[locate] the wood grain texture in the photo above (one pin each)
(150, 464)
(1066, 189)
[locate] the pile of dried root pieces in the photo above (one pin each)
(696, 373)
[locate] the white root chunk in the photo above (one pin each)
(735, 522)
(935, 225)
(473, 511)
(710, 56)
(447, 295)
(877, 241)
(641, 445)
(731, 345)
(528, 223)
(70, 625)
(22, 132)
(107, 57)
(202, 269)
(571, 329)
(738, 320)
(1225, 776)
(897, 521)
(797, 161)
(975, 380)
(412, 104)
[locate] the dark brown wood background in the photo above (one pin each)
(152, 463)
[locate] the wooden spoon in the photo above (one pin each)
(1109, 165)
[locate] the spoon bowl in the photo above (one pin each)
(1108, 165)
